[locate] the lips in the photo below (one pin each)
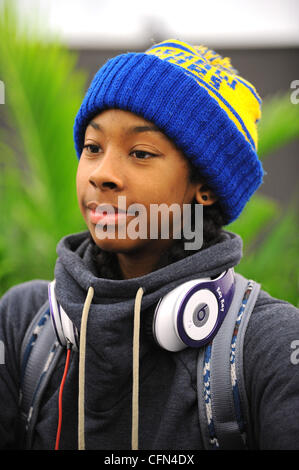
(105, 213)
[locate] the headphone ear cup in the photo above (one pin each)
(191, 314)
(165, 325)
(164, 329)
(65, 330)
(198, 317)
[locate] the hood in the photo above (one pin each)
(109, 331)
(75, 272)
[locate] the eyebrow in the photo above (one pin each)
(140, 129)
(94, 125)
(131, 130)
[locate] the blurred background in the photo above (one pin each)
(49, 52)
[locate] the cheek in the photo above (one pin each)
(171, 188)
(80, 183)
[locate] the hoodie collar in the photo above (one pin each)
(75, 271)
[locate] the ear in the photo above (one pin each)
(204, 195)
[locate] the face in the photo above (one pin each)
(125, 155)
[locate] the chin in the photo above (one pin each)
(116, 245)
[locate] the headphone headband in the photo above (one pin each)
(220, 289)
(65, 330)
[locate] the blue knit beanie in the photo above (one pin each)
(197, 99)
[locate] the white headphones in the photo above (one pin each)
(65, 330)
(192, 313)
(189, 315)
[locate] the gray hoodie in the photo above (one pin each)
(168, 412)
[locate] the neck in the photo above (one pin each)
(129, 265)
(141, 262)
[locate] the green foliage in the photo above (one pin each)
(279, 124)
(274, 262)
(271, 247)
(38, 205)
(269, 232)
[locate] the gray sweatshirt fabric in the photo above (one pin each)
(168, 395)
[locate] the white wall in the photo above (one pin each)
(218, 23)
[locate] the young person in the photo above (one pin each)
(175, 125)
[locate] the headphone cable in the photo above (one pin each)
(66, 367)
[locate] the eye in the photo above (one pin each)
(92, 148)
(142, 154)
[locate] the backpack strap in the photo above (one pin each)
(40, 353)
(222, 400)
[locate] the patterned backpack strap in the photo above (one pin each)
(222, 399)
(39, 354)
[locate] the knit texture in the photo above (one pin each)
(196, 98)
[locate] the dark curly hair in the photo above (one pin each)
(213, 221)
(213, 215)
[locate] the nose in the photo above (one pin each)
(107, 174)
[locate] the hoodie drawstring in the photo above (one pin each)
(82, 349)
(135, 385)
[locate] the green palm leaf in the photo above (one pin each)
(43, 92)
